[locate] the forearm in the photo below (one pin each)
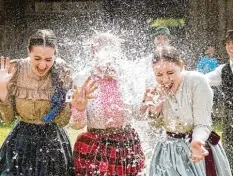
(78, 119)
(3, 93)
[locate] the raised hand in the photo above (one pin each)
(5, 73)
(197, 150)
(81, 95)
(153, 100)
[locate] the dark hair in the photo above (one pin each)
(228, 37)
(167, 53)
(43, 37)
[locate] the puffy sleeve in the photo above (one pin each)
(7, 112)
(6, 108)
(202, 107)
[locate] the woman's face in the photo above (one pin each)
(42, 59)
(105, 68)
(229, 48)
(168, 75)
(105, 62)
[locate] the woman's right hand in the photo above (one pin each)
(82, 95)
(149, 102)
(197, 150)
(5, 72)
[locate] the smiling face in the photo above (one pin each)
(42, 59)
(168, 75)
(229, 49)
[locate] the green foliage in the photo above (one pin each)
(217, 127)
(169, 22)
(4, 131)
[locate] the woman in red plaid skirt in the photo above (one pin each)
(110, 146)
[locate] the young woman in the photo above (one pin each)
(110, 146)
(34, 89)
(181, 105)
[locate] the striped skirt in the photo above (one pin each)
(36, 150)
(108, 153)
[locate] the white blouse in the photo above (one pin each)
(189, 110)
(214, 77)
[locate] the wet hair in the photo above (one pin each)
(43, 37)
(166, 53)
(228, 37)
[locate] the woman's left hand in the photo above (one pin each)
(81, 95)
(197, 150)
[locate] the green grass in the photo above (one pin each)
(218, 129)
(4, 131)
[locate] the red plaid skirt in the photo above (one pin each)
(108, 153)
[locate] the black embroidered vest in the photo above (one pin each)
(227, 85)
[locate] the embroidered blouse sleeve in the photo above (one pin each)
(202, 106)
(6, 108)
(7, 112)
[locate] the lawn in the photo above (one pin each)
(4, 131)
